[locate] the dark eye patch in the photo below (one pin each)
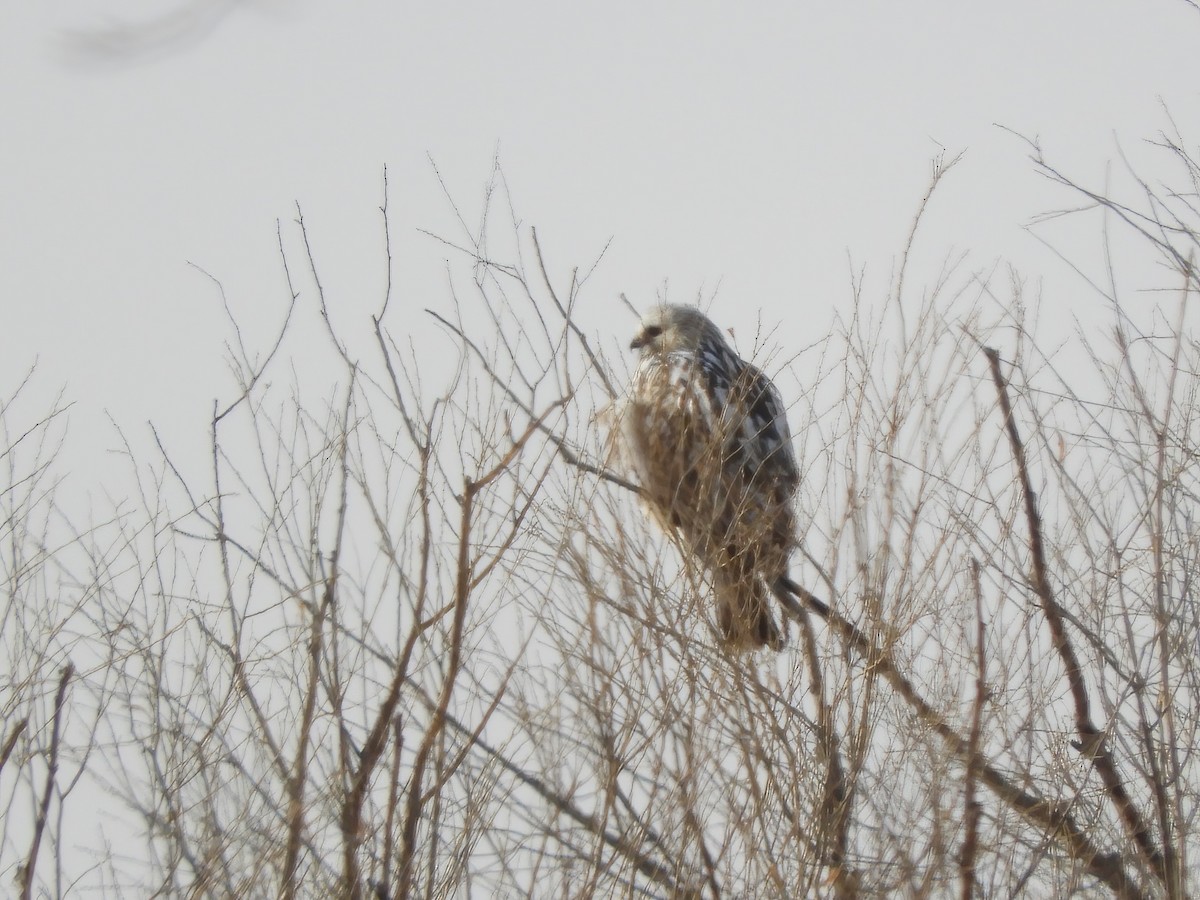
(653, 331)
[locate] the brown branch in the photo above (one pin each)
(1175, 866)
(233, 647)
(316, 643)
(385, 878)
(836, 800)
(296, 783)
(39, 825)
(1091, 740)
(687, 788)
(971, 806)
(412, 810)
(387, 717)
(11, 741)
(462, 592)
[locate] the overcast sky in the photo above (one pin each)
(755, 146)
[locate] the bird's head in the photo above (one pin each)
(669, 328)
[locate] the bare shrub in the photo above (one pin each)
(403, 638)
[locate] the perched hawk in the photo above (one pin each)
(709, 439)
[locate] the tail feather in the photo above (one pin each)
(744, 615)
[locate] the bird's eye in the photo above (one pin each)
(653, 331)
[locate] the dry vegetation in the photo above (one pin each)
(417, 639)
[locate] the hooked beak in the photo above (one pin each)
(645, 337)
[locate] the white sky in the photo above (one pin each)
(751, 146)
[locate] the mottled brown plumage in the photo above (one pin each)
(708, 436)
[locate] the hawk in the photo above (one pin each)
(708, 437)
